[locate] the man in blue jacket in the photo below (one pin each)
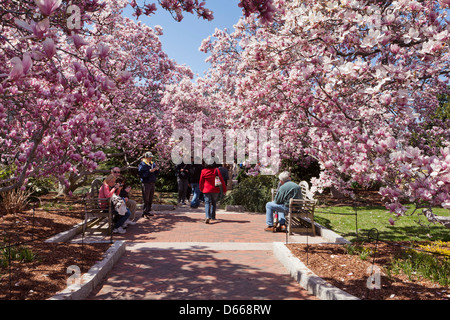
(148, 172)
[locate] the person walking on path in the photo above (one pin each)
(224, 172)
(182, 172)
(288, 190)
(196, 171)
(210, 190)
(148, 172)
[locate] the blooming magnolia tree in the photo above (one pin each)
(353, 84)
(67, 95)
(75, 76)
(142, 71)
(43, 111)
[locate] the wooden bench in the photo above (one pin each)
(300, 217)
(94, 214)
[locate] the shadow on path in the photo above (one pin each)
(199, 275)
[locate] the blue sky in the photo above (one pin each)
(181, 40)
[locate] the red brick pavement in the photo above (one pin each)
(189, 226)
(235, 273)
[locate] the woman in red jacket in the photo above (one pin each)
(210, 191)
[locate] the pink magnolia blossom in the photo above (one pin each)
(17, 69)
(47, 7)
(78, 41)
(103, 50)
(37, 28)
(90, 52)
(124, 76)
(348, 84)
(150, 9)
(49, 47)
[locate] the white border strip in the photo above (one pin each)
(306, 278)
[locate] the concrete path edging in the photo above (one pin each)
(94, 276)
(67, 235)
(306, 278)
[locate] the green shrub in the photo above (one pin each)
(253, 192)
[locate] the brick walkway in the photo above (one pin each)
(176, 256)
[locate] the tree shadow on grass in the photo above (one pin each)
(409, 233)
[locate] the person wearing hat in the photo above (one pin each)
(148, 172)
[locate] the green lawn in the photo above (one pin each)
(343, 221)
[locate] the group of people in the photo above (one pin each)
(207, 181)
(115, 184)
(202, 179)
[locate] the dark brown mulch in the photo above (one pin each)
(350, 273)
(47, 273)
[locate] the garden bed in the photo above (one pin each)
(38, 270)
(349, 272)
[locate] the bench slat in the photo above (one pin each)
(301, 212)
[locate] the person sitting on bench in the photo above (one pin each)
(288, 190)
(106, 191)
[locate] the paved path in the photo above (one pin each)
(175, 256)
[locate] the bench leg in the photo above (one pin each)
(313, 228)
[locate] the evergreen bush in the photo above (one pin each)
(253, 192)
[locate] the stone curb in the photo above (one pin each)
(94, 276)
(67, 235)
(306, 278)
(330, 235)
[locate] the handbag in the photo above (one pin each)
(217, 181)
(119, 204)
